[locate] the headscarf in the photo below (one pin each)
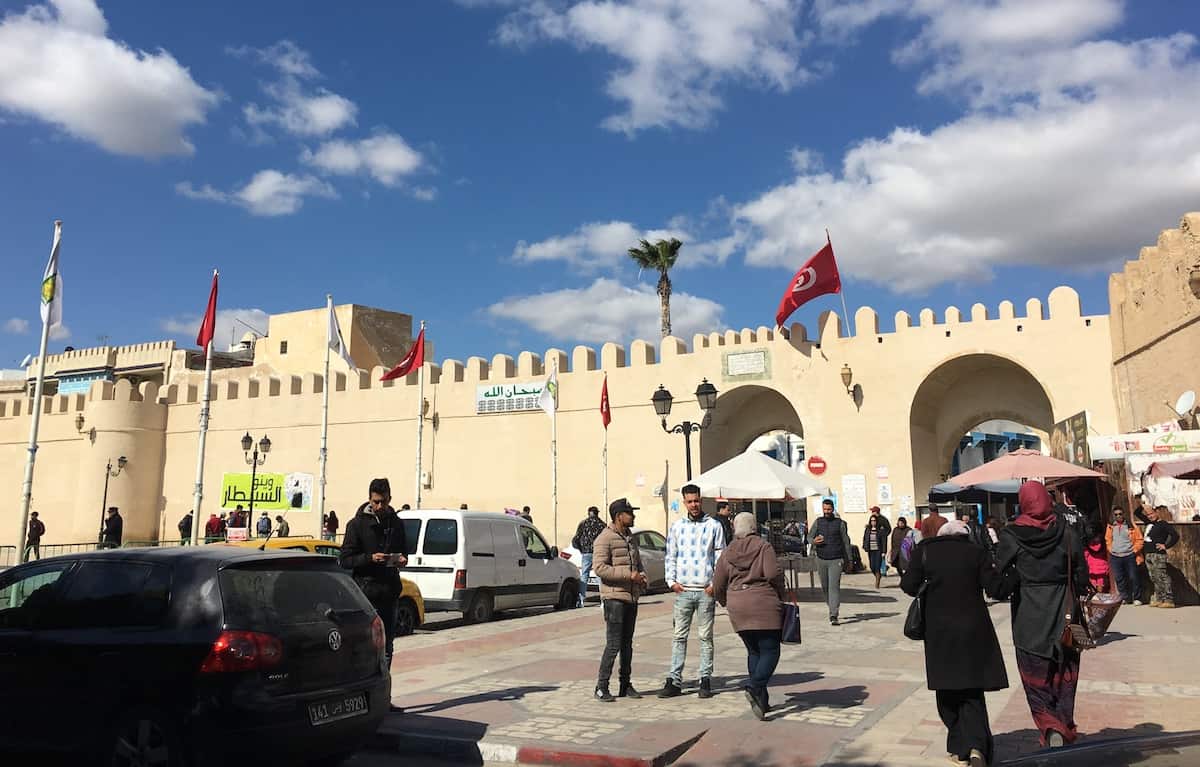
(953, 527)
(744, 524)
(1036, 507)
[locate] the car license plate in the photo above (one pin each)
(335, 709)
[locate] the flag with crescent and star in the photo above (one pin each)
(817, 277)
(413, 360)
(605, 411)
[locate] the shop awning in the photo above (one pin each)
(1184, 468)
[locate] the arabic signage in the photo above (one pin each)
(854, 494)
(748, 365)
(507, 398)
(1158, 443)
(272, 492)
(1069, 441)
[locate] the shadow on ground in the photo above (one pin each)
(849, 596)
(508, 694)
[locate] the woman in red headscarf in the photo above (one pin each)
(1036, 554)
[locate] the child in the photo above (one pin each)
(1096, 554)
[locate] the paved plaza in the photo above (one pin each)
(520, 690)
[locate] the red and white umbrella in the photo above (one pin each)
(1022, 464)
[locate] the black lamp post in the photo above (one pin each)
(706, 395)
(252, 457)
(109, 473)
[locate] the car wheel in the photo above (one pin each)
(568, 596)
(481, 609)
(406, 618)
(144, 737)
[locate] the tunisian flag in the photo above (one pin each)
(413, 360)
(209, 323)
(818, 276)
(605, 412)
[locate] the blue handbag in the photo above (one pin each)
(791, 623)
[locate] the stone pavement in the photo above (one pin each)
(520, 690)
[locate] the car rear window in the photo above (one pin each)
(113, 595)
(266, 594)
(441, 536)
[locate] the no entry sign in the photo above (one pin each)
(816, 465)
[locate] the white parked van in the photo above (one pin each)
(477, 562)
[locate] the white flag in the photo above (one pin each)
(549, 399)
(336, 342)
(52, 284)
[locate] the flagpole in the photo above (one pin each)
(27, 490)
(325, 412)
(199, 495)
(841, 294)
(605, 462)
(420, 422)
(554, 459)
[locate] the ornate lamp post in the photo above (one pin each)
(252, 452)
(109, 473)
(706, 396)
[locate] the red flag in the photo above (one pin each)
(605, 413)
(818, 276)
(209, 323)
(413, 360)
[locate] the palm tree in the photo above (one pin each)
(661, 256)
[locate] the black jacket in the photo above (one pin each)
(368, 534)
(1160, 532)
(978, 535)
(882, 533)
(587, 532)
(961, 648)
(836, 543)
(185, 526)
(113, 528)
(1033, 567)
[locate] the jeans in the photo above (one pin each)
(964, 712)
(620, 619)
(585, 573)
(830, 571)
(686, 606)
(762, 656)
(1124, 569)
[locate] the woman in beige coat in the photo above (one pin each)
(749, 584)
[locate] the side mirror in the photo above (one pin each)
(554, 552)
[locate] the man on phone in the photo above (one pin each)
(373, 548)
(831, 541)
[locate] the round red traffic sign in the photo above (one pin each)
(816, 465)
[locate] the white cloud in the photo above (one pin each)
(1070, 151)
(295, 107)
(386, 157)
(227, 330)
(675, 54)
(606, 244)
(608, 311)
(268, 193)
(425, 193)
(58, 65)
(60, 333)
(16, 326)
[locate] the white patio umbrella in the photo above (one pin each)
(754, 476)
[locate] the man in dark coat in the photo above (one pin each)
(962, 653)
(114, 526)
(185, 529)
(373, 548)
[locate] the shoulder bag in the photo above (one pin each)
(1075, 633)
(914, 624)
(791, 622)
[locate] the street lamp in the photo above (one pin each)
(706, 396)
(109, 473)
(264, 447)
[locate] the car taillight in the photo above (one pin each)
(243, 651)
(460, 579)
(378, 636)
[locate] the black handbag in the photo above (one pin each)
(914, 623)
(791, 623)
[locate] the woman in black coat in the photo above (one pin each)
(1033, 555)
(875, 544)
(962, 654)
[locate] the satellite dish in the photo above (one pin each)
(1186, 402)
(25, 362)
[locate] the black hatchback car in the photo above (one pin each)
(206, 655)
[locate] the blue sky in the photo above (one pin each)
(483, 164)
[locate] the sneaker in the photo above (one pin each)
(976, 759)
(1055, 739)
(602, 694)
(833, 620)
(670, 690)
(706, 687)
(627, 690)
(1166, 605)
(1138, 603)
(953, 759)
(756, 705)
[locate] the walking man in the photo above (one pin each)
(618, 564)
(373, 548)
(1161, 535)
(282, 528)
(725, 517)
(585, 537)
(110, 537)
(831, 540)
(185, 529)
(264, 525)
(693, 545)
(33, 538)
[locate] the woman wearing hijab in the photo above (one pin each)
(1033, 558)
(962, 654)
(749, 584)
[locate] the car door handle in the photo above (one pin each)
(520, 563)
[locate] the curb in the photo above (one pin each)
(470, 750)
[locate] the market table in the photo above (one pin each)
(793, 565)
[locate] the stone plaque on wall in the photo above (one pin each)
(751, 365)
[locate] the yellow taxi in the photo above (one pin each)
(410, 612)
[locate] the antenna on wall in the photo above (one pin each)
(1183, 409)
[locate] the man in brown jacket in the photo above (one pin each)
(618, 563)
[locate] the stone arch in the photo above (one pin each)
(744, 413)
(961, 393)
